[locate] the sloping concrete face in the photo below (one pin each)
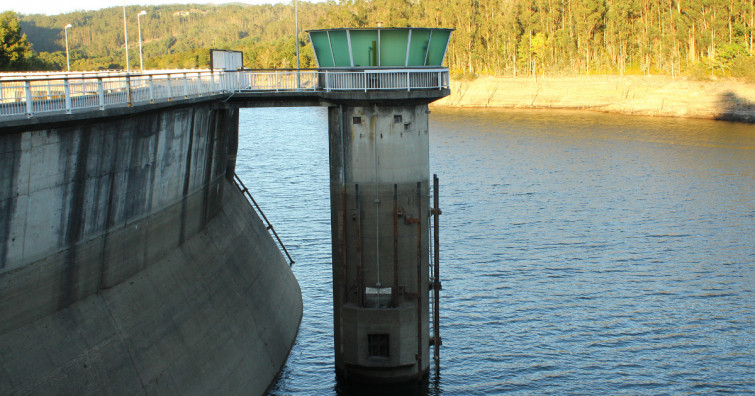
(88, 205)
(379, 158)
(130, 264)
(218, 315)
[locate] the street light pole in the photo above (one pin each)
(139, 22)
(296, 17)
(68, 59)
(125, 32)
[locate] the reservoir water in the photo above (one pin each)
(580, 252)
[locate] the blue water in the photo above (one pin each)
(580, 252)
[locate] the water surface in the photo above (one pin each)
(580, 252)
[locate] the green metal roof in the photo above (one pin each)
(380, 47)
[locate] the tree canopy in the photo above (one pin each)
(502, 37)
(15, 49)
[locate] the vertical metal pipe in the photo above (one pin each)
(342, 121)
(436, 281)
(394, 291)
(296, 17)
(360, 280)
(377, 199)
(419, 280)
(125, 33)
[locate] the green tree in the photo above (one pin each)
(15, 49)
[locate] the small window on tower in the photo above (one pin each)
(378, 345)
(397, 118)
(357, 120)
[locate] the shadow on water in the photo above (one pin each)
(429, 386)
(732, 107)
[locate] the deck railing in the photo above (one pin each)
(34, 94)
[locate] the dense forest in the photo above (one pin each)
(699, 38)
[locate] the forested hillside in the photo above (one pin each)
(502, 37)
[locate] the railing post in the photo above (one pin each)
(277, 84)
(408, 86)
(327, 81)
(67, 90)
(101, 93)
(49, 94)
(440, 82)
(200, 91)
(29, 103)
(170, 94)
(212, 82)
(186, 86)
(128, 90)
(151, 90)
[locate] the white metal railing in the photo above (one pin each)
(37, 93)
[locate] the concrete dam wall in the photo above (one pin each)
(129, 263)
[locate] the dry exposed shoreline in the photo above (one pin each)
(640, 95)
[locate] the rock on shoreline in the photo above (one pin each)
(726, 99)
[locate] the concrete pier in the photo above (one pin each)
(379, 195)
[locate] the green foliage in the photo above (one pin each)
(15, 49)
(743, 66)
(702, 38)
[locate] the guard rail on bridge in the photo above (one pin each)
(34, 94)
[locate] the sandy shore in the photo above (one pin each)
(642, 95)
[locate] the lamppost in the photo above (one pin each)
(68, 61)
(139, 23)
(125, 32)
(296, 17)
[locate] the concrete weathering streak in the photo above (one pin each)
(127, 265)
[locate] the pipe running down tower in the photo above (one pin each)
(380, 203)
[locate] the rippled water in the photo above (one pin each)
(580, 252)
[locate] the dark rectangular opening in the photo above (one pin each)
(357, 120)
(378, 345)
(397, 118)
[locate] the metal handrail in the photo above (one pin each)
(33, 94)
(240, 185)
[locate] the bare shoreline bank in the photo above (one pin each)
(727, 99)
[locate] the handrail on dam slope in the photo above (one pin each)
(36, 94)
(240, 185)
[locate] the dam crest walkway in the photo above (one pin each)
(24, 96)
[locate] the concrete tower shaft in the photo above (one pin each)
(379, 156)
